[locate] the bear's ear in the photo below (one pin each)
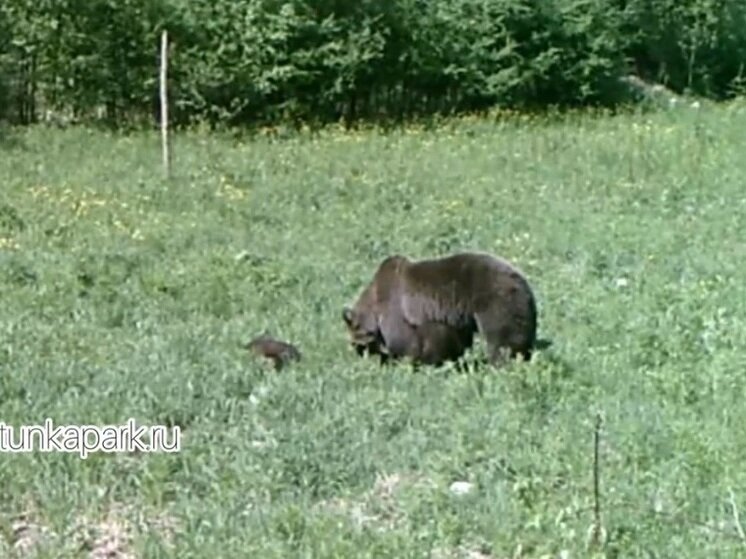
(347, 316)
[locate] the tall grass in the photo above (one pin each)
(127, 296)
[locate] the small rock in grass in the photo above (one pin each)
(461, 487)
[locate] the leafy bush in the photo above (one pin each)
(696, 45)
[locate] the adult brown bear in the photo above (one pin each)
(429, 310)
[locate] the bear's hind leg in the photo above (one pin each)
(441, 342)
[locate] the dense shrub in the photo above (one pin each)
(695, 45)
(239, 61)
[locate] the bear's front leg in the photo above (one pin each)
(399, 337)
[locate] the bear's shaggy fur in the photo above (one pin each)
(429, 310)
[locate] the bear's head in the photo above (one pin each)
(362, 328)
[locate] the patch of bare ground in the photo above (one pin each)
(27, 534)
(108, 536)
(378, 507)
(477, 552)
(111, 536)
(461, 552)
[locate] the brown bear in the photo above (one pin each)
(429, 310)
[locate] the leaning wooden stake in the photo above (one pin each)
(597, 535)
(736, 519)
(164, 105)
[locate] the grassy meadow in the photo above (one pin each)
(127, 296)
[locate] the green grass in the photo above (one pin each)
(124, 295)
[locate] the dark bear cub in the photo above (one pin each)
(429, 310)
(278, 352)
